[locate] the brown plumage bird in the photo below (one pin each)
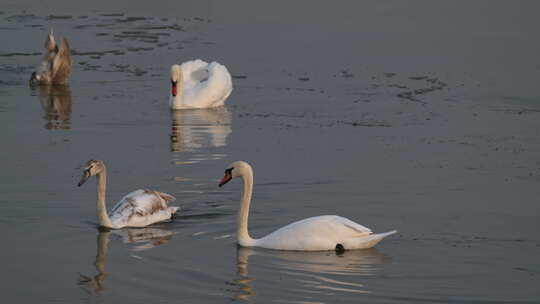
(56, 64)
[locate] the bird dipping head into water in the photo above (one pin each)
(55, 66)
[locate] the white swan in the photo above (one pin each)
(197, 84)
(56, 64)
(326, 232)
(139, 208)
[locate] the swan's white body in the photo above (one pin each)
(199, 85)
(318, 233)
(139, 208)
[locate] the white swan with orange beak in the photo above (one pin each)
(197, 84)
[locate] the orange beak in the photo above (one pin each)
(173, 89)
(226, 178)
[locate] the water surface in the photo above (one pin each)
(416, 116)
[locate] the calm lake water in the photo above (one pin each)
(418, 116)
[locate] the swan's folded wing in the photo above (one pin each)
(167, 197)
(141, 208)
(199, 75)
(355, 227)
(62, 62)
(141, 203)
(209, 93)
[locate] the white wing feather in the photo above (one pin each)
(205, 85)
(141, 208)
(321, 233)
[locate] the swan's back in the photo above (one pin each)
(320, 233)
(141, 208)
(194, 71)
(205, 85)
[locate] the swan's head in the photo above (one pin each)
(35, 78)
(236, 169)
(176, 78)
(91, 168)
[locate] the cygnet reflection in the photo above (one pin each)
(143, 238)
(320, 271)
(193, 129)
(56, 102)
(95, 283)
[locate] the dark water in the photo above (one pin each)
(418, 116)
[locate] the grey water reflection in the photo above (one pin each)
(316, 272)
(195, 129)
(95, 283)
(56, 102)
(144, 238)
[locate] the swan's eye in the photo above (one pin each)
(173, 82)
(89, 167)
(229, 171)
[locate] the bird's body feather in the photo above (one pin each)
(204, 85)
(141, 208)
(319, 233)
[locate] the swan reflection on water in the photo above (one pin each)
(56, 102)
(193, 129)
(315, 272)
(143, 238)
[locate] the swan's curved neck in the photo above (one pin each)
(101, 207)
(242, 233)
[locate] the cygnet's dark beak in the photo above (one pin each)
(33, 79)
(84, 177)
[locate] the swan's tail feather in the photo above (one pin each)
(369, 241)
(174, 209)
